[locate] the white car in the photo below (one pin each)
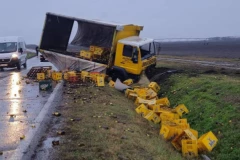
(13, 52)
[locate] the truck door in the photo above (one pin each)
(130, 59)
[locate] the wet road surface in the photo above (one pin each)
(20, 103)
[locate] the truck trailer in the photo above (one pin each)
(117, 47)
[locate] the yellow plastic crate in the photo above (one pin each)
(142, 93)
(128, 91)
(151, 116)
(207, 142)
(168, 132)
(98, 51)
(132, 96)
(71, 74)
(111, 83)
(182, 123)
(94, 76)
(86, 54)
(56, 76)
(84, 74)
(156, 108)
(151, 106)
(150, 94)
(144, 101)
(194, 132)
(100, 81)
(49, 73)
(186, 134)
(168, 116)
(181, 109)
(40, 76)
(128, 82)
(143, 110)
(189, 148)
(92, 48)
(163, 101)
(65, 76)
(154, 86)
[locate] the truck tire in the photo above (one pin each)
(118, 72)
(117, 75)
(18, 66)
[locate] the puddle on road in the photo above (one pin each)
(47, 144)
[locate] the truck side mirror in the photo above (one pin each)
(20, 50)
(135, 55)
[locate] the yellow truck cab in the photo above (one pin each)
(133, 55)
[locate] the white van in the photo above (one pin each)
(13, 52)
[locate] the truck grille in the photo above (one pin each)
(4, 60)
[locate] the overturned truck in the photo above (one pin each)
(99, 46)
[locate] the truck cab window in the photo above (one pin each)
(127, 51)
(147, 50)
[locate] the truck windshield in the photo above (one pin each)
(8, 47)
(147, 50)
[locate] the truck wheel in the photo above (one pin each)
(18, 66)
(117, 75)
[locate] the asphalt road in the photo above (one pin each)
(15, 97)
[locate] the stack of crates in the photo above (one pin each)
(97, 51)
(186, 134)
(40, 69)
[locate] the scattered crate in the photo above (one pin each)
(207, 142)
(40, 76)
(189, 149)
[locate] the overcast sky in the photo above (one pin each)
(161, 18)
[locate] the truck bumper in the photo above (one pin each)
(8, 63)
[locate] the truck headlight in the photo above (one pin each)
(14, 55)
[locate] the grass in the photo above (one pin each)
(31, 55)
(214, 104)
(106, 126)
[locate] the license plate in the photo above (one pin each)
(3, 65)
